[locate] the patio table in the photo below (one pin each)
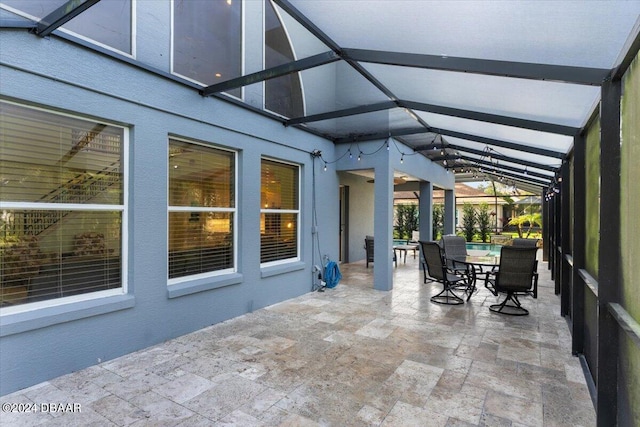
(404, 249)
(476, 264)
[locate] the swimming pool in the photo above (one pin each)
(491, 249)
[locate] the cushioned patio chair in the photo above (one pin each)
(435, 267)
(516, 276)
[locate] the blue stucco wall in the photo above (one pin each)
(41, 344)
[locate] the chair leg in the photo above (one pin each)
(514, 309)
(447, 297)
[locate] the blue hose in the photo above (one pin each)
(332, 274)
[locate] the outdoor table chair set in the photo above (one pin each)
(513, 273)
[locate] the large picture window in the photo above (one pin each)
(207, 40)
(279, 213)
(201, 209)
(62, 205)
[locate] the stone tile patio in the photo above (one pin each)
(349, 356)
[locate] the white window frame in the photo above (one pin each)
(124, 236)
(284, 211)
(234, 211)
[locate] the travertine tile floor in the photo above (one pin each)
(350, 356)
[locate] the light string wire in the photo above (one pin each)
(351, 151)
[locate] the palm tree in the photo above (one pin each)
(531, 220)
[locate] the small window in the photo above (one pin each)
(207, 40)
(279, 213)
(108, 22)
(201, 209)
(62, 203)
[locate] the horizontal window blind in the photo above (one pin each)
(280, 239)
(47, 158)
(201, 209)
(54, 259)
(199, 242)
(279, 213)
(63, 193)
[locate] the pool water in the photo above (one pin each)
(492, 248)
(397, 242)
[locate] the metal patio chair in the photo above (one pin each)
(368, 247)
(516, 276)
(434, 266)
(525, 243)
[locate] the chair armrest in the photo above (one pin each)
(490, 282)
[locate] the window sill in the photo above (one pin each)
(37, 318)
(189, 287)
(275, 270)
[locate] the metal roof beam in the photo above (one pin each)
(515, 178)
(509, 175)
(324, 38)
(62, 15)
(499, 143)
(507, 167)
(308, 24)
(381, 135)
(492, 118)
(343, 113)
(271, 73)
(445, 157)
(522, 70)
(480, 139)
(500, 173)
(504, 158)
(11, 22)
(493, 155)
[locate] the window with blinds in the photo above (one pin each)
(201, 210)
(62, 205)
(279, 213)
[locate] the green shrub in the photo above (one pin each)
(468, 221)
(484, 219)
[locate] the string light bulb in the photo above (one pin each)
(325, 166)
(402, 158)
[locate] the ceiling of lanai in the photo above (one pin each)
(487, 88)
(483, 87)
